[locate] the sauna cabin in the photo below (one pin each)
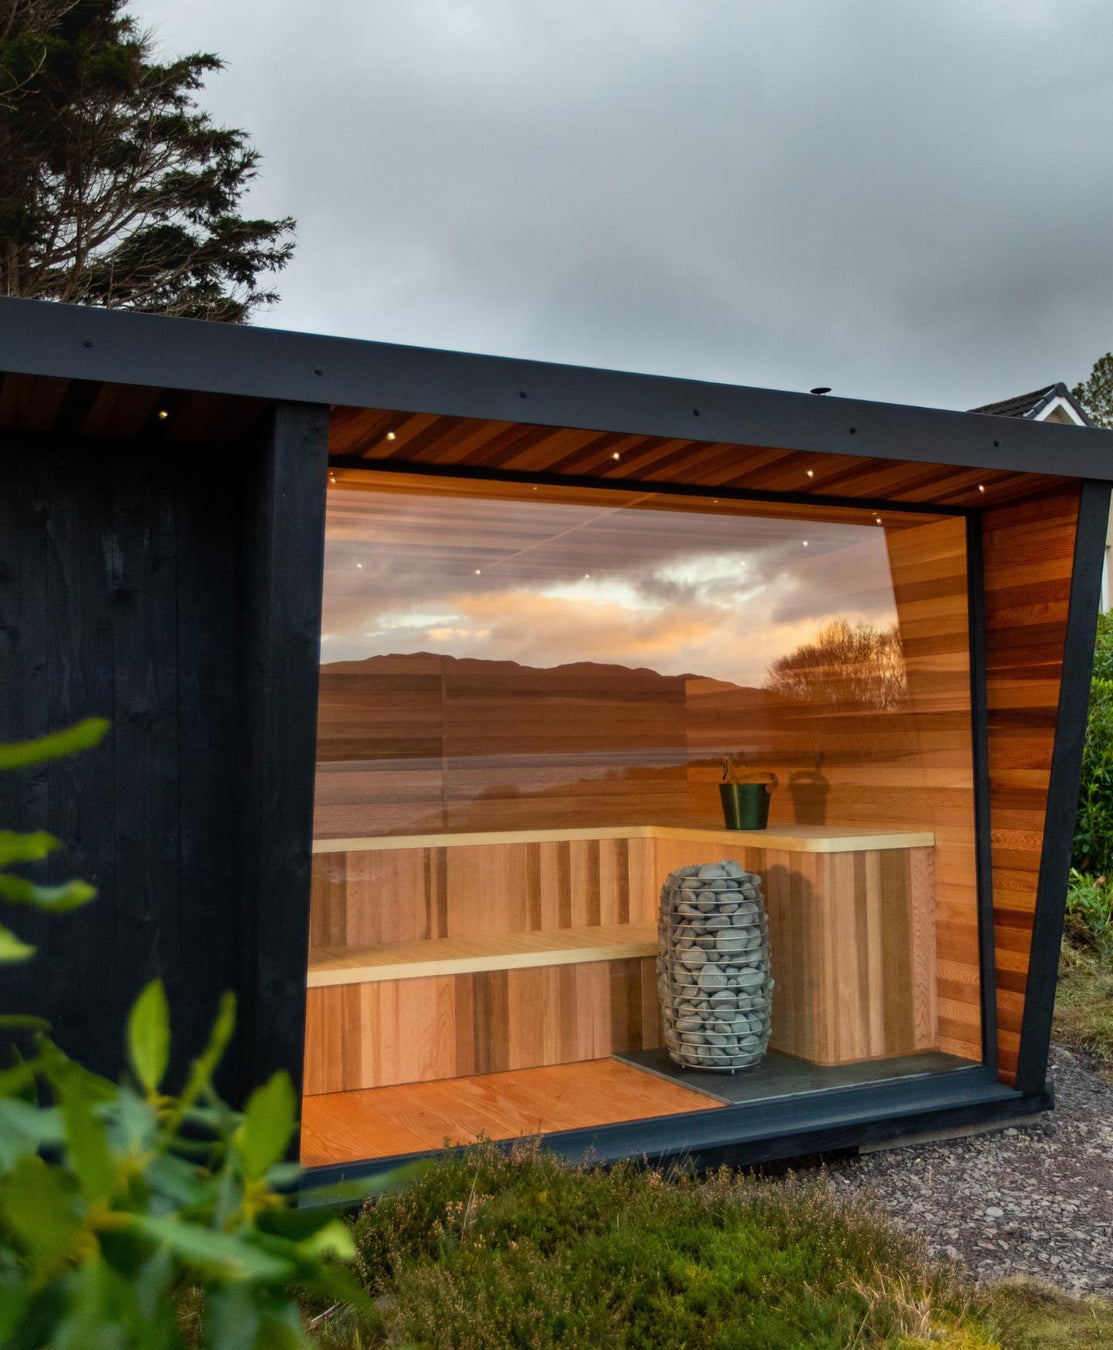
(423, 669)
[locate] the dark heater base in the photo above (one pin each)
(784, 1076)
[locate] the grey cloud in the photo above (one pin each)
(905, 201)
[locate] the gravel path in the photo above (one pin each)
(1035, 1199)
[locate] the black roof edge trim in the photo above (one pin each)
(150, 350)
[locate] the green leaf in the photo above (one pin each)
(284, 1176)
(281, 1329)
(210, 1251)
(14, 1301)
(295, 1224)
(87, 1148)
(152, 1280)
(334, 1239)
(149, 1036)
(268, 1125)
(23, 1022)
(19, 1080)
(176, 1180)
(131, 1122)
(56, 899)
(37, 1204)
(24, 1128)
(204, 1066)
(232, 1321)
(24, 848)
(56, 745)
(93, 1308)
(59, 1068)
(361, 1188)
(12, 949)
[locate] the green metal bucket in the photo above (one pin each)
(746, 805)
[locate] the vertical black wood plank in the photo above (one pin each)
(144, 618)
(24, 711)
(283, 563)
(81, 951)
(209, 640)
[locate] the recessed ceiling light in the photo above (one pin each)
(478, 573)
(391, 436)
(163, 414)
(981, 487)
(587, 576)
(805, 543)
(811, 473)
(359, 564)
(616, 455)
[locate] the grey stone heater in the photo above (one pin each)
(713, 967)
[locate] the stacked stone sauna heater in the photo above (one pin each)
(713, 967)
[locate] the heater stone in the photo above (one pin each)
(713, 971)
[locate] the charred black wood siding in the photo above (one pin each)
(179, 595)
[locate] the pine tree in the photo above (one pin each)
(1096, 393)
(114, 188)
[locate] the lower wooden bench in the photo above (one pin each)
(483, 973)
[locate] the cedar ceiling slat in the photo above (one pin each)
(650, 453)
(110, 411)
(680, 460)
(529, 448)
(34, 401)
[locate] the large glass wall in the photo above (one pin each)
(529, 699)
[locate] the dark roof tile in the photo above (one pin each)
(1029, 406)
(1021, 405)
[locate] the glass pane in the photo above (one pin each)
(530, 700)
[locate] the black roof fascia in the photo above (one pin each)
(125, 347)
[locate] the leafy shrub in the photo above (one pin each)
(115, 1200)
(1093, 832)
(1103, 648)
(1090, 911)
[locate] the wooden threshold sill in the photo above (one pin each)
(777, 838)
(463, 955)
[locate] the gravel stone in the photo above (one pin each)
(1034, 1200)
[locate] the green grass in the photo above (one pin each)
(483, 1252)
(1084, 1004)
(1026, 1316)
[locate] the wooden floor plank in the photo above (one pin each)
(380, 1122)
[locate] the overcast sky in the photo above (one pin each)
(905, 199)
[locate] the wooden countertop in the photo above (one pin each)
(777, 838)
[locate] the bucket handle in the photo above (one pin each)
(767, 780)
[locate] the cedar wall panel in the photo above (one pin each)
(929, 573)
(852, 937)
(904, 768)
(1028, 551)
(365, 897)
(405, 1031)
